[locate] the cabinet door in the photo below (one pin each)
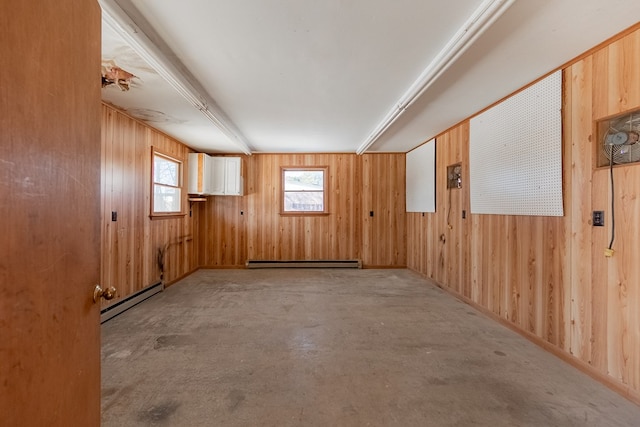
(218, 173)
(195, 182)
(233, 185)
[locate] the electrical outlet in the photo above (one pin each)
(598, 218)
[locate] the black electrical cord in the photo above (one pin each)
(613, 214)
(449, 209)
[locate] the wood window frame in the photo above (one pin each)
(174, 214)
(325, 190)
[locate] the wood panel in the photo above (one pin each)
(261, 233)
(275, 237)
(615, 281)
(50, 206)
(548, 276)
(579, 153)
(130, 245)
(223, 244)
(444, 235)
(383, 193)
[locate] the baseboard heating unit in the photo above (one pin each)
(130, 301)
(352, 263)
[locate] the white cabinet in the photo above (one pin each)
(200, 171)
(233, 176)
(218, 176)
(215, 176)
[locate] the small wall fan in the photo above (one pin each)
(454, 176)
(621, 142)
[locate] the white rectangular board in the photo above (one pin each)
(421, 178)
(515, 153)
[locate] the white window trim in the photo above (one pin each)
(180, 187)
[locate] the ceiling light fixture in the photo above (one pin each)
(124, 26)
(482, 18)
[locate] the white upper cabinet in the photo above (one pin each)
(233, 176)
(199, 179)
(215, 176)
(218, 174)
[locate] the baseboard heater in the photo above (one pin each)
(130, 301)
(352, 263)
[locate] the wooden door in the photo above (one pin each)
(49, 213)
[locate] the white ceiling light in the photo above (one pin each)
(483, 17)
(125, 27)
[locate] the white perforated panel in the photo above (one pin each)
(515, 153)
(421, 178)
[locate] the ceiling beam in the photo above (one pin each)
(481, 19)
(134, 36)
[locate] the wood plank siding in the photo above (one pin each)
(130, 244)
(548, 276)
(251, 227)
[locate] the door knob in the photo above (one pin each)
(108, 294)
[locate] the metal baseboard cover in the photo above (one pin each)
(352, 263)
(127, 303)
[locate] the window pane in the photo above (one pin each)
(306, 201)
(166, 199)
(165, 171)
(303, 180)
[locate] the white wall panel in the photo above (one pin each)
(421, 178)
(515, 153)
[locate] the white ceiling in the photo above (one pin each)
(320, 76)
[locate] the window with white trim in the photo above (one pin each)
(166, 194)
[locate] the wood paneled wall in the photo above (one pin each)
(606, 309)
(130, 245)
(548, 276)
(439, 248)
(384, 234)
(251, 227)
(226, 231)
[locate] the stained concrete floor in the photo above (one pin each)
(333, 347)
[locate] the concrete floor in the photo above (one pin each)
(312, 347)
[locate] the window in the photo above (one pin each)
(303, 190)
(166, 197)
